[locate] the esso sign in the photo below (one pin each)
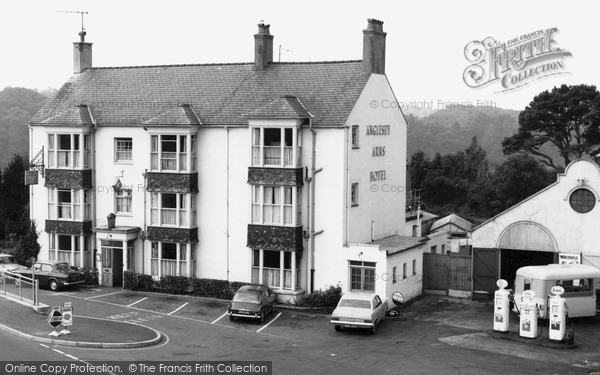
(558, 290)
(397, 298)
(501, 283)
(528, 294)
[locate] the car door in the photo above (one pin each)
(44, 273)
(378, 308)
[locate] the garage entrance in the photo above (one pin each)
(512, 260)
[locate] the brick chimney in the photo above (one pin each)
(263, 47)
(82, 54)
(374, 47)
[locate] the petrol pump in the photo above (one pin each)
(557, 314)
(528, 316)
(501, 307)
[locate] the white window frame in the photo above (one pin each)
(184, 211)
(182, 265)
(354, 194)
(123, 196)
(79, 207)
(123, 150)
(183, 159)
(73, 157)
(288, 156)
(287, 211)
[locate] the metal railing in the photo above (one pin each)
(18, 286)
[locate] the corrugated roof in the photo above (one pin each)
(219, 94)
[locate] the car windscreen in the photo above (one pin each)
(357, 303)
(6, 260)
(63, 267)
(246, 297)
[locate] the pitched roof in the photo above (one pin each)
(452, 219)
(218, 94)
(286, 106)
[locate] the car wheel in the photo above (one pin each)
(373, 329)
(262, 317)
(53, 285)
(337, 328)
(231, 317)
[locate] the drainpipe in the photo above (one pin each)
(145, 175)
(227, 200)
(311, 216)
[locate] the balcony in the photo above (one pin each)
(68, 178)
(172, 182)
(275, 176)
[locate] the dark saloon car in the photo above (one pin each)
(54, 274)
(252, 302)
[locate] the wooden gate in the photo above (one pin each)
(486, 271)
(444, 272)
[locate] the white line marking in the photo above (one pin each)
(136, 302)
(266, 325)
(72, 357)
(58, 351)
(177, 309)
(104, 295)
(219, 318)
(45, 346)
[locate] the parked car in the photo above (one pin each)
(7, 263)
(251, 301)
(360, 311)
(53, 274)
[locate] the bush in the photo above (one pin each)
(138, 282)
(211, 288)
(174, 284)
(327, 298)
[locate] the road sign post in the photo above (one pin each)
(55, 319)
(67, 318)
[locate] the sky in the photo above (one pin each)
(425, 45)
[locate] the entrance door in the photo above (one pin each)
(112, 266)
(107, 266)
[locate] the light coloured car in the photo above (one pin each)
(7, 263)
(360, 311)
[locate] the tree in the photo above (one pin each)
(417, 169)
(566, 118)
(14, 198)
(519, 177)
(27, 246)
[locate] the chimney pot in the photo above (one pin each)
(374, 47)
(82, 54)
(263, 47)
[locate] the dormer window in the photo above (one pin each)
(275, 147)
(171, 153)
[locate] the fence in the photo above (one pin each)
(21, 287)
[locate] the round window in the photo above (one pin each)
(582, 200)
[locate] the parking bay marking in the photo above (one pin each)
(136, 302)
(104, 295)
(266, 325)
(177, 309)
(219, 318)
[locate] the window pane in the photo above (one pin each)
(169, 200)
(271, 259)
(64, 142)
(169, 250)
(169, 143)
(64, 242)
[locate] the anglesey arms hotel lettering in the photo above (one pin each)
(378, 151)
